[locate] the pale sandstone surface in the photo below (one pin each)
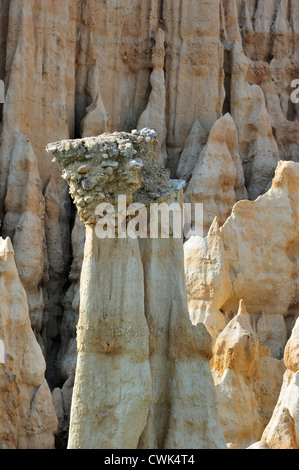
(154, 114)
(76, 69)
(208, 279)
(129, 329)
(23, 220)
(193, 146)
(218, 186)
(248, 257)
(257, 146)
(28, 419)
(282, 431)
(244, 373)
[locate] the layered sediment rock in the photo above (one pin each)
(28, 419)
(129, 330)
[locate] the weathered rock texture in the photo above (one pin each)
(248, 258)
(142, 377)
(247, 381)
(282, 431)
(252, 256)
(80, 68)
(218, 186)
(28, 419)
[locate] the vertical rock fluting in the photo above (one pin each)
(154, 114)
(282, 431)
(24, 224)
(142, 376)
(39, 100)
(243, 373)
(84, 67)
(194, 65)
(257, 146)
(247, 258)
(257, 248)
(28, 419)
(218, 187)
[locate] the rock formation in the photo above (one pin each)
(154, 114)
(192, 70)
(244, 372)
(257, 146)
(218, 187)
(24, 213)
(282, 430)
(28, 419)
(128, 330)
(252, 252)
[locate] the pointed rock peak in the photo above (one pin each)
(281, 24)
(91, 57)
(286, 176)
(222, 22)
(215, 227)
(6, 245)
(51, 193)
(158, 53)
(247, 23)
(51, 186)
(243, 320)
(223, 129)
(160, 37)
(231, 20)
(242, 308)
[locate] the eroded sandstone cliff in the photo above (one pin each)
(213, 77)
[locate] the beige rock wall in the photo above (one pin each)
(218, 186)
(282, 430)
(75, 69)
(28, 419)
(247, 381)
(142, 376)
(248, 257)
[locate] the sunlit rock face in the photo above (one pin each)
(127, 332)
(28, 419)
(214, 79)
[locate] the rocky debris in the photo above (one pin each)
(28, 419)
